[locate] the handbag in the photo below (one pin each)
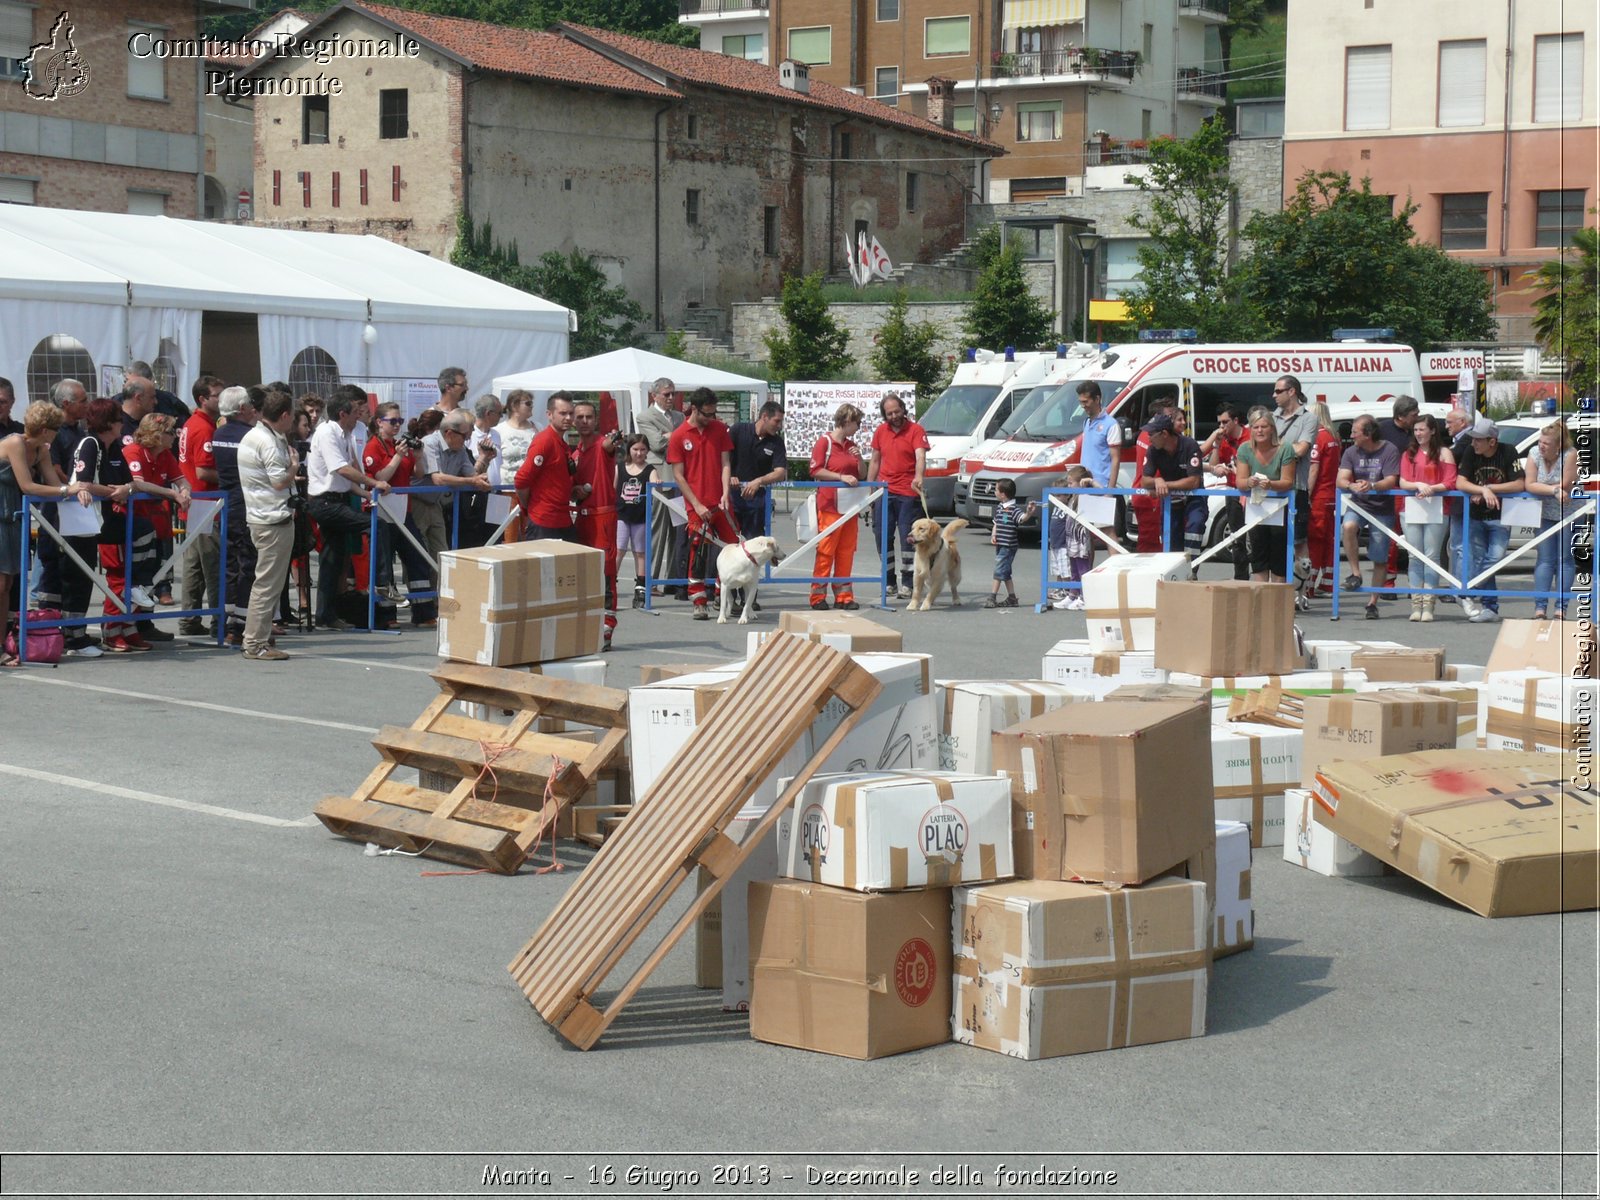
(46, 642)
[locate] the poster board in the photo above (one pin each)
(808, 410)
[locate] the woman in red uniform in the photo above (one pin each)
(835, 459)
(1322, 483)
(153, 467)
(384, 457)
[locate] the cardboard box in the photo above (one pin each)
(707, 937)
(1471, 702)
(842, 631)
(1301, 683)
(1048, 968)
(1333, 654)
(1251, 768)
(899, 732)
(1374, 724)
(1410, 664)
(1463, 673)
(1559, 647)
(1075, 662)
(1115, 792)
(974, 708)
(722, 934)
(657, 672)
(1161, 691)
(1225, 627)
(1504, 833)
(1235, 928)
(851, 973)
(503, 606)
(893, 830)
(1119, 599)
(1315, 847)
(1535, 710)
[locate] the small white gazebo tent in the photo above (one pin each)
(626, 371)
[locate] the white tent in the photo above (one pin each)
(127, 287)
(625, 371)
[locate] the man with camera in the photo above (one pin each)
(546, 479)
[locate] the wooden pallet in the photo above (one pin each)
(679, 824)
(1270, 705)
(495, 814)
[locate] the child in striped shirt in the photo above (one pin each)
(1008, 514)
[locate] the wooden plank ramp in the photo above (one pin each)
(679, 824)
(507, 784)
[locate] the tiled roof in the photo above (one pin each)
(758, 79)
(502, 50)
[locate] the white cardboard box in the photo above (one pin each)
(1236, 915)
(892, 831)
(577, 670)
(899, 731)
(735, 905)
(1251, 768)
(1333, 654)
(972, 710)
(1302, 683)
(1119, 599)
(1318, 848)
(1074, 661)
(1539, 710)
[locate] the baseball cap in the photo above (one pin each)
(1485, 428)
(1160, 423)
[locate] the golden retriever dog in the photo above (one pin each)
(739, 566)
(938, 562)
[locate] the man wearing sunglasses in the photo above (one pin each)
(1297, 427)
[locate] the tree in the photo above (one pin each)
(607, 316)
(812, 345)
(1004, 311)
(1184, 281)
(1342, 256)
(1567, 315)
(904, 348)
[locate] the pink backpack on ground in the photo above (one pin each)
(46, 643)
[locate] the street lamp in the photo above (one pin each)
(1087, 244)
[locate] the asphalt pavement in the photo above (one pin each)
(208, 994)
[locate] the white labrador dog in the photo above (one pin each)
(739, 566)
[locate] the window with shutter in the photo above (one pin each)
(813, 46)
(1366, 87)
(1462, 68)
(16, 36)
(147, 76)
(1558, 215)
(1464, 221)
(946, 35)
(1558, 77)
(886, 85)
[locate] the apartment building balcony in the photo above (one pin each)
(690, 11)
(1105, 152)
(1076, 64)
(1213, 12)
(1201, 87)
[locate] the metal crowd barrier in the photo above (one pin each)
(1467, 584)
(124, 603)
(877, 497)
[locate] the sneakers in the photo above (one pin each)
(337, 626)
(1372, 612)
(134, 642)
(116, 645)
(993, 602)
(157, 635)
(638, 595)
(904, 593)
(191, 629)
(1069, 603)
(1010, 601)
(266, 654)
(141, 598)
(1470, 608)
(1352, 582)
(1484, 616)
(702, 612)
(847, 605)
(89, 650)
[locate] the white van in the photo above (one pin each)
(1350, 377)
(970, 410)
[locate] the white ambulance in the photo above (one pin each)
(1350, 377)
(981, 395)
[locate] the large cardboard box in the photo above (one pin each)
(888, 831)
(1314, 846)
(1471, 702)
(1251, 768)
(842, 631)
(1535, 710)
(657, 672)
(1505, 833)
(974, 708)
(900, 731)
(1161, 691)
(1334, 654)
(1226, 627)
(1074, 661)
(1374, 724)
(503, 606)
(851, 973)
(1235, 928)
(1115, 792)
(1049, 968)
(1119, 599)
(1301, 683)
(1559, 647)
(1410, 664)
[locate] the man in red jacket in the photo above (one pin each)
(700, 452)
(596, 496)
(546, 479)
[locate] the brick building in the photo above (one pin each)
(1484, 116)
(696, 179)
(99, 117)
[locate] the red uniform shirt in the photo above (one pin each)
(829, 455)
(152, 467)
(598, 469)
(696, 455)
(194, 450)
(897, 456)
(377, 454)
(1325, 453)
(1227, 451)
(544, 476)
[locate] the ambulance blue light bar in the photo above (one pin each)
(1363, 335)
(1169, 335)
